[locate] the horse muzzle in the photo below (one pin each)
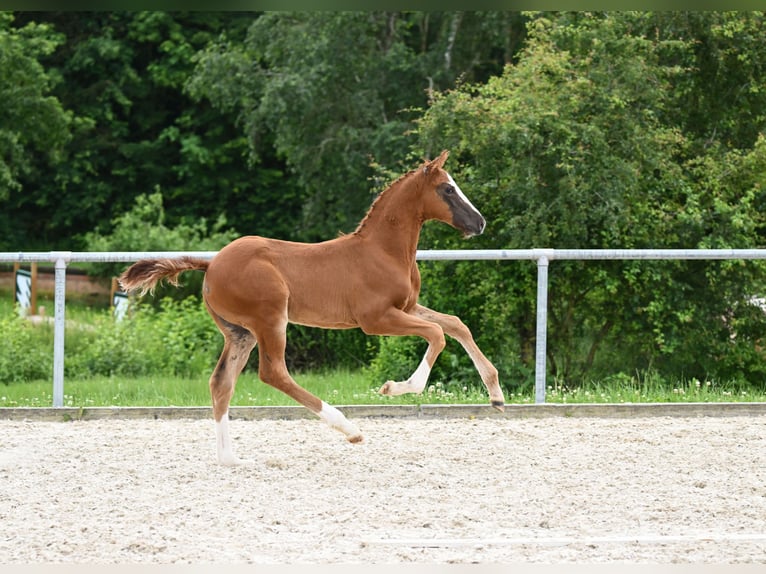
(470, 226)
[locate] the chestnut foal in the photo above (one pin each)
(368, 279)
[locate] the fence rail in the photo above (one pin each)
(543, 257)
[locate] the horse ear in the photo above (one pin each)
(436, 163)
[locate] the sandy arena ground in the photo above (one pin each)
(648, 490)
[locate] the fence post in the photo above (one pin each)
(543, 256)
(62, 258)
(33, 295)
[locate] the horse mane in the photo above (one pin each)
(380, 196)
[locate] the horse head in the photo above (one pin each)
(445, 201)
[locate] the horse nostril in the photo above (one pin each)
(474, 226)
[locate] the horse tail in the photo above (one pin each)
(144, 274)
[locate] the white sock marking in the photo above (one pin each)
(417, 382)
(223, 442)
(337, 420)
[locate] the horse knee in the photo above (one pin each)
(458, 330)
(218, 382)
(441, 341)
(462, 331)
(436, 345)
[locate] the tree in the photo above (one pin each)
(334, 92)
(574, 147)
(144, 228)
(34, 128)
(134, 128)
(722, 100)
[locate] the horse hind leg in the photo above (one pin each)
(238, 344)
(273, 371)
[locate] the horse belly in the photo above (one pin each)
(317, 309)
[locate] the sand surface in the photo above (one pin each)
(657, 490)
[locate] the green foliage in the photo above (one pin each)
(109, 348)
(570, 148)
(164, 356)
(567, 129)
(26, 351)
(314, 89)
(722, 98)
(395, 359)
(332, 91)
(33, 124)
(178, 338)
(162, 337)
(175, 339)
(143, 228)
(310, 348)
(134, 129)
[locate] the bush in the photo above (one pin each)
(396, 359)
(26, 353)
(178, 339)
(310, 348)
(143, 228)
(108, 348)
(569, 148)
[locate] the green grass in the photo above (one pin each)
(337, 387)
(646, 389)
(351, 388)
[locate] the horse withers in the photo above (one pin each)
(368, 279)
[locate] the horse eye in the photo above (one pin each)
(449, 190)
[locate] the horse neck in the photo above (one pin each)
(394, 220)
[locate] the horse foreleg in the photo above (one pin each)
(397, 322)
(456, 329)
(416, 383)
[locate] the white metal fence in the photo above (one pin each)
(543, 257)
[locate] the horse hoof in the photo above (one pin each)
(356, 439)
(386, 388)
(499, 405)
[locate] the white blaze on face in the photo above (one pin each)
(463, 197)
